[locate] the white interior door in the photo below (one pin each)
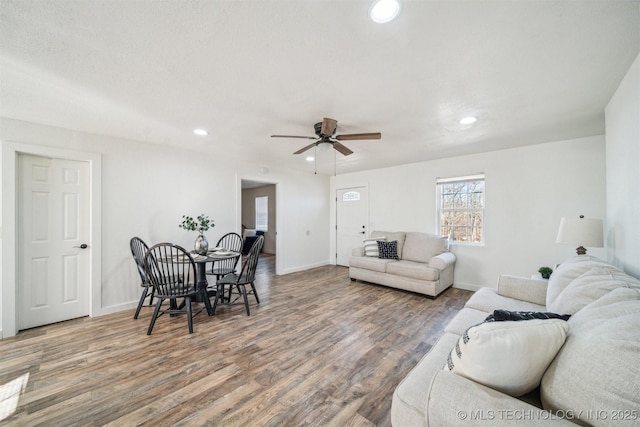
(351, 222)
(53, 240)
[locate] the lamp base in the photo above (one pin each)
(580, 250)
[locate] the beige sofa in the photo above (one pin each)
(593, 379)
(424, 266)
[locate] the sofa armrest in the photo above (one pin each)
(442, 261)
(359, 251)
(480, 406)
(530, 290)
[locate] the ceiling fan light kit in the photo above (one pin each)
(324, 146)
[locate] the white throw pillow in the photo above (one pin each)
(371, 246)
(510, 356)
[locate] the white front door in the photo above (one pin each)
(53, 240)
(351, 222)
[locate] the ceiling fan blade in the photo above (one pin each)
(303, 149)
(294, 136)
(328, 127)
(342, 149)
(358, 136)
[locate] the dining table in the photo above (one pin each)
(201, 262)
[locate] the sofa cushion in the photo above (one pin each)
(464, 319)
(413, 270)
(397, 236)
(509, 356)
(488, 299)
(589, 287)
(370, 263)
(569, 270)
(371, 246)
(597, 370)
(387, 250)
(421, 247)
(410, 396)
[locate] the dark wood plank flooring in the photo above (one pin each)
(319, 350)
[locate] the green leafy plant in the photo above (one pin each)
(545, 272)
(200, 224)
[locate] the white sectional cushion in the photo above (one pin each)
(411, 395)
(464, 319)
(597, 371)
(569, 270)
(488, 299)
(590, 286)
(421, 247)
(510, 356)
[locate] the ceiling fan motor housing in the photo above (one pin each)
(318, 128)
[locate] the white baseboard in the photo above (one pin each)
(117, 308)
(467, 286)
(304, 267)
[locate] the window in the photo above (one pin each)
(461, 208)
(350, 196)
(262, 213)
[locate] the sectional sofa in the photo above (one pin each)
(544, 371)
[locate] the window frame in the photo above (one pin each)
(440, 183)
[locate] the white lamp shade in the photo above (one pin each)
(581, 232)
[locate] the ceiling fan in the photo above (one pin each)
(324, 131)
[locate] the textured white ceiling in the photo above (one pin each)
(152, 70)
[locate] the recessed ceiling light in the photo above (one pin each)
(384, 11)
(468, 120)
(201, 132)
(310, 159)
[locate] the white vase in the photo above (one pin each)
(201, 245)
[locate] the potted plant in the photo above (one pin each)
(201, 224)
(545, 272)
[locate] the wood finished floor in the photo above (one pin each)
(319, 350)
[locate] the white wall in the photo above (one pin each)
(623, 173)
(147, 188)
(528, 190)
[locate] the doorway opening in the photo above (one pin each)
(258, 213)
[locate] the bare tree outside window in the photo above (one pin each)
(461, 208)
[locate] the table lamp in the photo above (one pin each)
(581, 232)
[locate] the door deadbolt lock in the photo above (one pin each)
(82, 246)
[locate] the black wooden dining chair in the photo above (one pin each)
(229, 242)
(172, 272)
(240, 281)
(139, 249)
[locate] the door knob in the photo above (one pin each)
(82, 246)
